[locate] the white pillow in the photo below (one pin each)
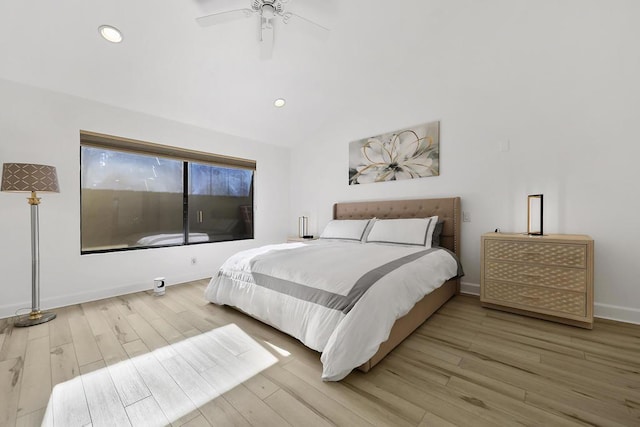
(409, 231)
(345, 229)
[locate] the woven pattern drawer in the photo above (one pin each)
(566, 255)
(570, 279)
(535, 298)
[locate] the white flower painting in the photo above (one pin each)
(405, 154)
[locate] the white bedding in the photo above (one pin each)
(334, 296)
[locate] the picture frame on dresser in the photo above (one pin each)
(548, 277)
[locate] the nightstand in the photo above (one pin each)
(293, 239)
(549, 277)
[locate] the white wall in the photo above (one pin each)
(558, 80)
(38, 126)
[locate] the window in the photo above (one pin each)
(140, 195)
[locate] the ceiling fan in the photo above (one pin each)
(267, 12)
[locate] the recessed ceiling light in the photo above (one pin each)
(279, 102)
(111, 34)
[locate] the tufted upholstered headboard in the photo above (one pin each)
(447, 209)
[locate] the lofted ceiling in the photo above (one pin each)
(213, 77)
(377, 55)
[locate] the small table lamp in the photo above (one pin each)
(30, 178)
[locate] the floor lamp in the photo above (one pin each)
(30, 178)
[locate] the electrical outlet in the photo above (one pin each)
(466, 216)
(194, 260)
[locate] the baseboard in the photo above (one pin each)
(82, 297)
(614, 312)
(469, 288)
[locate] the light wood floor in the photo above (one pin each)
(177, 359)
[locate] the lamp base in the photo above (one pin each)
(35, 318)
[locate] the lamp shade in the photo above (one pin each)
(29, 177)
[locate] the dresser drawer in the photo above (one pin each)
(569, 279)
(535, 298)
(566, 255)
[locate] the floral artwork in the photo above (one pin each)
(405, 154)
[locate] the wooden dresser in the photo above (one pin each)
(550, 277)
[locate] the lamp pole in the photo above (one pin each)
(36, 316)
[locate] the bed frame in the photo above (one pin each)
(447, 209)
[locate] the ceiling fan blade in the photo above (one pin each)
(222, 17)
(266, 38)
(310, 26)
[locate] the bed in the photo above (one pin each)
(311, 303)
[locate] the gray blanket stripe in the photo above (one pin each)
(330, 299)
(368, 279)
(300, 291)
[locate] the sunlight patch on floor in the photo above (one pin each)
(163, 385)
(281, 351)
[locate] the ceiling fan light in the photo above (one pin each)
(279, 103)
(110, 33)
(268, 11)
